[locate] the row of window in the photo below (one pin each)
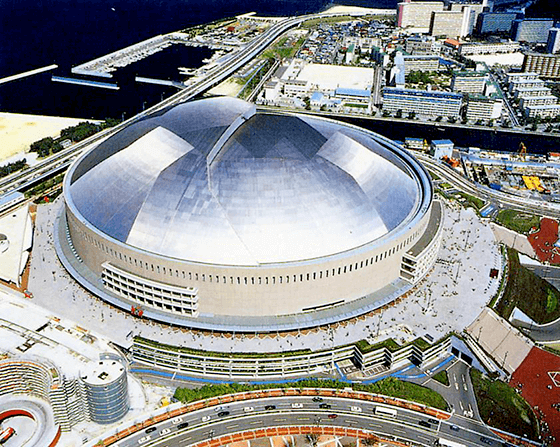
(195, 276)
(186, 304)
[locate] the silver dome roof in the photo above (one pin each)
(214, 181)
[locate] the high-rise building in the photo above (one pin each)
(447, 23)
(553, 44)
(416, 14)
(453, 23)
(531, 30)
(494, 22)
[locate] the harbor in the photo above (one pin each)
(105, 65)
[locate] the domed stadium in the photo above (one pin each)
(215, 215)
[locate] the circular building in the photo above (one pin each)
(106, 389)
(214, 215)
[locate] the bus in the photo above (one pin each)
(385, 411)
(447, 443)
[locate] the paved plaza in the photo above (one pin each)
(448, 299)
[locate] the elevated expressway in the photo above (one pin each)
(61, 160)
(222, 423)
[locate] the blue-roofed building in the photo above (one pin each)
(422, 102)
(352, 93)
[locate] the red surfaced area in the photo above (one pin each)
(538, 388)
(543, 241)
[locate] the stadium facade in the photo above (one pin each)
(215, 215)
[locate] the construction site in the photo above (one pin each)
(519, 173)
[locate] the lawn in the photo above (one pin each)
(518, 221)
(442, 377)
(388, 387)
(533, 295)
(469, 200)
(501, 407)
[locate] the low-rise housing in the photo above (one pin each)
(478, 48)
(546, 65)
(469, 81)
(420, 63)
(527, 101)
(295, 87)
(515, 84)
(420, 44)
(441, 148)
(546, 111)
(531, 91)
(422, 102)
(522, 76)
(481, 107)
(417, 144)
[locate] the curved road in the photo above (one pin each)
(45, 431)
(247, 415)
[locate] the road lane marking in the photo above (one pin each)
(232, 426)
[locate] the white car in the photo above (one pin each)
(248, 409)
(205, 418)
(177, 420)
(218, 409)
(297, 405)
(356, 409)
(144, 439)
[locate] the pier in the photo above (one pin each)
(159, 82)
(85, 82)
(28, 73)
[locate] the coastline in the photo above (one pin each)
(18, 131)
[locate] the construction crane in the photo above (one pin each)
(522, 152)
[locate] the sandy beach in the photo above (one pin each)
(18, 132)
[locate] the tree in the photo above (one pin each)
(439, 118)
(411, 115)
(398, 114)
(452, 119)
(386, 113)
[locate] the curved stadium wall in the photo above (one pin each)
(217, 296)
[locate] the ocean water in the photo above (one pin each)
(36, 33)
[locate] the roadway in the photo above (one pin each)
(213, 422)
(487, 194)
